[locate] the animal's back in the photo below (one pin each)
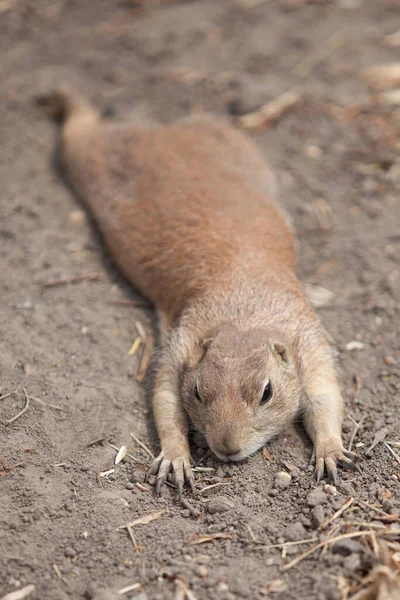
(180, 206)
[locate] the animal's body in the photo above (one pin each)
(187, 213)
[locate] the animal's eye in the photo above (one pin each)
(197, 393)
(267, 394)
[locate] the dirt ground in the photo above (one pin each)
(67, 345)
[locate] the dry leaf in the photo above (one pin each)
(267, 455)
(143, 520)
(317, 295)
(276, 586)
(20, 594)
(382, 77)
(29, 369)
(122, 452)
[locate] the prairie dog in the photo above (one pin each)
(187, 214)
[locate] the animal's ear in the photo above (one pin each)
(282, 352)
(199, 352)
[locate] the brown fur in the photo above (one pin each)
(187, 213)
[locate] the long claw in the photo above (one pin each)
(329, 455)
(180, 467)
(319, 469)
(346, 462)
(351, 455)
(179, 485)
(331, 469)
(154, 467)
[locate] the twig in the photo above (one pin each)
(146, 357)
(337, 514)
(142, 445)
(371, 507)
(318, 56)
(135, 346)
(361, 524)
(141, 331)
(142, 487)
(130, 532)
(271, 111)
(8, 394)
(296, 543)
(43, 403)
(355, 430)
(310, 551)
(129, 588)
(105, 473)
(193, 511)
(58, 572)
(214, 485)
(210, 538)
(379, 437)
(397, 457)
(203, 469)
(253, 537)
(76, 279)
(23, 411)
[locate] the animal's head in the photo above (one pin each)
(241, 390)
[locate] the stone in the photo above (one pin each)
(294, 532)
(346, 547)
(282, 479)
(316, 497)
(220, 504)
(352, 563)
(383, 494)
(317, 516)
(95, 592)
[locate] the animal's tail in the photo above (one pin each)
(63, 105)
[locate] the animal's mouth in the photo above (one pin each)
(236, 457)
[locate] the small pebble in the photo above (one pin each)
(129, 486)
(316, 497)
(317, 516)
(346, 547)
(330, 490)
(354, 345)
(294, 532)
(387, 505)
(202, 571)
(282, 479)
(383, 494)
(69, 552)
(220, 504)
(185, 513)
(352, 562)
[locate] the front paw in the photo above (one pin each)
(328, 454)
(177, 460)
